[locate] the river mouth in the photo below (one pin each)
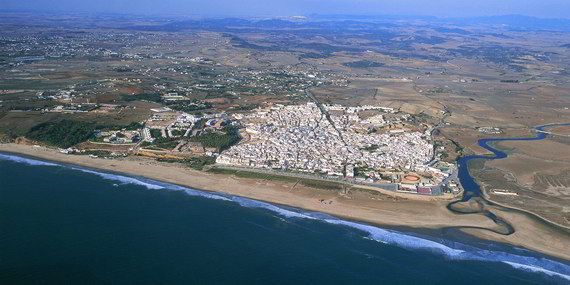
(452, 250)
(473, 201)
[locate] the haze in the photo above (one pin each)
(441, 8)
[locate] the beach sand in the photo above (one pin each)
(377, 209)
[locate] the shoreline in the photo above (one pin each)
(488, 198)
(383, 210)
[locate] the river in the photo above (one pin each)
(470, 186)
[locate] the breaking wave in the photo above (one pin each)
(121, 179)
(535, 269)
(448, 249)
(451, 250)
(24, 160)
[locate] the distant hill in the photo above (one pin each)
(516, 22)
(511, 21)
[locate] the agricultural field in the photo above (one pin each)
(185, 81)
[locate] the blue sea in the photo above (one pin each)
(62, 224)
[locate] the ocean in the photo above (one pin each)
(62, 224)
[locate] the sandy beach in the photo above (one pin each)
(383, 210)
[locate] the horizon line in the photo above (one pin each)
(244, 16)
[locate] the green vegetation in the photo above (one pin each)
(363, 64)
(31, 84)
(371, 148)
(99, 153)
(199, 163)
(320, 184)
(220, 141)
(189, 107)
(247, 107)
(200, 124)
(178, 133)
(65, 133)
(145, 144)
(152, 97)
(165, 143)
(155, 133)
(133, 126)
(361, 171)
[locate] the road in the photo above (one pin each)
(311, 97)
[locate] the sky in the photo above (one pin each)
(440, 8)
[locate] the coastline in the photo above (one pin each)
(382, 210)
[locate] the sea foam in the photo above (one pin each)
(530, 268)
(25, 160)
(121, 178)
(451, 250)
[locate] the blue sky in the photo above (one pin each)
(442, 8)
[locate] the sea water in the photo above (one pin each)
(65, 224)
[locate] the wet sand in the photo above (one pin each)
(375, 209)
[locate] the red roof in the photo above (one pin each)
(424, 190)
